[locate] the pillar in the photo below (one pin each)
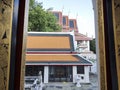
(74, 72)
(100, 46)
(88, 45)
(46, 74)
(86, 68)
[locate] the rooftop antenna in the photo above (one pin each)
(86, 34)
(68, 17)
(62, 9)
(68, 12)
(76, 21)
(92, 36)
(76, 16)
(62, 16)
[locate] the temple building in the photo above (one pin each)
(70, 25)
(54, 54)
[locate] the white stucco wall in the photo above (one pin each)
(84, 46)
(84, 78)
(74, 69)
(85, 75)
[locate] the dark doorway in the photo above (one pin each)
(33, 70)
(60, 74)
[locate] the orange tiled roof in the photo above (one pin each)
(50, 58)
(48, 42)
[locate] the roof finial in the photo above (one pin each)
(86, 34)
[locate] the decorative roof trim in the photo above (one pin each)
(80, 61)
(58, 63)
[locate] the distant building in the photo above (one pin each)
(82, 42)
(54, 54)
(58, 16)
(65, 24)
(70, 25)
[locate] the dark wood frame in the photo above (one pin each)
(111, 68)
(110, 73)
(17, 45)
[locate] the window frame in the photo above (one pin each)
(104, 42)
(81, 69)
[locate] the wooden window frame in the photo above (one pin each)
(108, 74)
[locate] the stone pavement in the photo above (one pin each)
(70, 86)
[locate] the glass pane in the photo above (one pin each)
(80, 69)
(71, 23)
(64, 21)
(57, 16)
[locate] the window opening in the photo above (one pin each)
(85, 68)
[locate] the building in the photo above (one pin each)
(83, 43)
(70, 25)
(54, 54)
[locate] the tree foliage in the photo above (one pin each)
(93, 45)
(41, 20)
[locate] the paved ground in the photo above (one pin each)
(70, 86)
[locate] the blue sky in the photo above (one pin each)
(80, 9)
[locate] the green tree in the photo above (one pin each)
(41, 20)
(93, 45)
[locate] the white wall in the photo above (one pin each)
(85, 75)
(85, 48)
(74, 68)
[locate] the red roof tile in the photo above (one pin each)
(79, 36)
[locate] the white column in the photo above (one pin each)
(46, 74)
(86, 68)
(74, 72)
(88, 45)
(84, 42)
